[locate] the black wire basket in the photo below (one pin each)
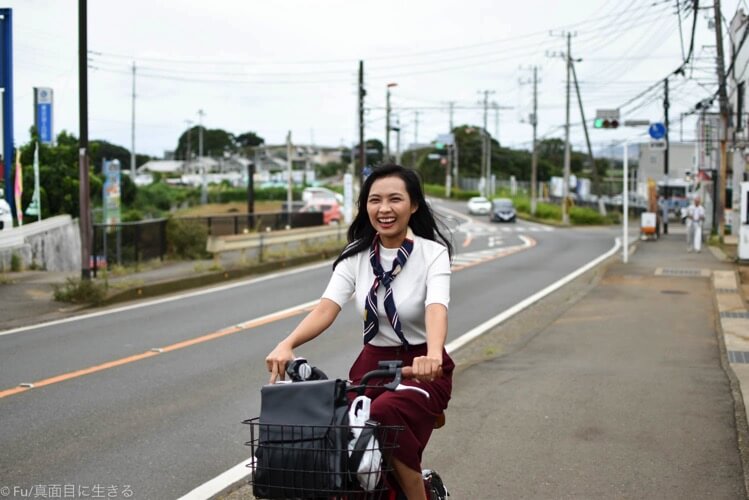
(311, 462)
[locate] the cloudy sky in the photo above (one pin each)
(277, 65)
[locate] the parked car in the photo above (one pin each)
(321, 193)
(6, 217)
(479, 205)
(502, 211)
(331, 210)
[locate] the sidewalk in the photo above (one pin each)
(626, 392)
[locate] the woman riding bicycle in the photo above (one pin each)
(397, 266)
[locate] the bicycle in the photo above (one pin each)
(304, 461)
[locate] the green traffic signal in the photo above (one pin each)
(604, 123)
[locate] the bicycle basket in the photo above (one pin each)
(309, 461)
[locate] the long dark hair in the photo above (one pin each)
(423, 222)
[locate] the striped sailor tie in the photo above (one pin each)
(371, 323)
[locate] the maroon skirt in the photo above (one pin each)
(412, 410)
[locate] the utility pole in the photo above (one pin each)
(566, 187)
(362, 147)
(666, 193)
(720, 202)
(451, 104)
(486, 144)
(534, 154)
(387, 122)
(188, 153)
(132, 133)
(416, 127)
(83, 189)
(203, 186)
(587, 136)
(288, 184)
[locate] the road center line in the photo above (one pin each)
(230, 330)
(247, 325)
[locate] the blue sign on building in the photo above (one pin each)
(43, 114)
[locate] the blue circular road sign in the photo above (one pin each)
(657, 130)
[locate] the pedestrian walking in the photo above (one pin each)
(695, 218)
(664, 213)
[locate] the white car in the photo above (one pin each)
(479, 205)
(320, 193)
(6, 217)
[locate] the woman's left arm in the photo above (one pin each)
(428, 367)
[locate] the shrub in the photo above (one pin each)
(186, 239)
(585, 215)
(16, 264)
(78, 291)
(548, 211)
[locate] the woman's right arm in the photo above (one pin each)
(316, 322)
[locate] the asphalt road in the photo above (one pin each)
(163, 423)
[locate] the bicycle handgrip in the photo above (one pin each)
(408, 373)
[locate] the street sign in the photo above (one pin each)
(657, 145)
(657, 130)
(448, 139)
(636, 123)
(434, 156)
(607, 114)
(43, 102)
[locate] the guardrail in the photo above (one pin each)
(262, 241)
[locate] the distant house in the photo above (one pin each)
(162, 167)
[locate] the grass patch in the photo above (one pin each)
(78, 291)
(231, 208)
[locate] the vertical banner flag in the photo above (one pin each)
(43, 113)
(18, 187)
(111, 192)
(35, 207)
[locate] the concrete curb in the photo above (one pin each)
(177, 285)
(733, 342)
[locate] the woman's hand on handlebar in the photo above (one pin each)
(277, 360)
(426, 368)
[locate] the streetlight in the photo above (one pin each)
(387, 121)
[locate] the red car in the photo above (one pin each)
(331, 210)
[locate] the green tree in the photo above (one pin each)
(215, 142)
(249, 140)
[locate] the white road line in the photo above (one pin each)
(154, 302)
(221, 483)
(508, 313)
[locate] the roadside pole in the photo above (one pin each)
(625, 205)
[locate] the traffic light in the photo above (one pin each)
(605, 123)
(606, 118)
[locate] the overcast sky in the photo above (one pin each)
(278, 65)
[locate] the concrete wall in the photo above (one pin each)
(52, 244)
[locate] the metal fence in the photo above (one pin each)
(222, 225)
(135, 242)
(128, 242)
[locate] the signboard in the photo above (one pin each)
(447, 139)
(657, 131)
(657, 145)
(607, 114)
(708, 156)
(43, 100)
(111, 192)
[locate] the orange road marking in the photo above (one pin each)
(247, 325)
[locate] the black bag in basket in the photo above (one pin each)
(303, 440)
